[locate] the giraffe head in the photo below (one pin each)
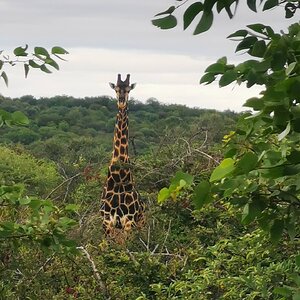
(122, 89)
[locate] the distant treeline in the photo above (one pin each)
(63, 125)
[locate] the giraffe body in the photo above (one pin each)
(121, 205)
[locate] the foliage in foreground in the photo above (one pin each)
(181, 253)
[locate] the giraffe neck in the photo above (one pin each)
(120, 145)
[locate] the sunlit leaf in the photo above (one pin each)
(24, 201)
(19, 118)
(290, 68)
(285, 132)
(163, 195)
(225, 168)
(188, 178)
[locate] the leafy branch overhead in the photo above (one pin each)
(203, 12)
(261, 166)
(40, 58)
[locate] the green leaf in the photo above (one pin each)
(261, 28)
(216, 68)
(255, 103)
(294, 157)
(252, 211)
(166, 12)
(45, 69)
(228, 77)
(26, 69)
(191, 12)
(20, 51)
(297, 260)
(290, 226)
(182, 176)
(246, 164)
(222, 60)
(252, 78)
(4, 76)
(166, 22)
(72, 207)
(276, 230)
(270, 4)
(59, 50)
(201, 195)
(252, 4)
(40, 51)
(246, 43)
(66, 222)
(238, 33)
(285, 132)
(207, 78)
(278, 60)
(52, 63)
(226, 5)
(163, 195)
(35, 204)
(225, 168)
(24, 201)
(296, 296)
(33, 64)
(204, 23)
(19, 118)
(283, 291)
(259, 49)
(290, 68)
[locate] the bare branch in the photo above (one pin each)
(96, 272)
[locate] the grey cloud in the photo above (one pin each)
(115, 24)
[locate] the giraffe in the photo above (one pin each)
(121, 205)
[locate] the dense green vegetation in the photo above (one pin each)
(181, 253)
(65, 126)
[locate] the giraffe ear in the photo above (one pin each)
(112, 85)
(132, 86)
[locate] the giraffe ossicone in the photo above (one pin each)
(121, 205)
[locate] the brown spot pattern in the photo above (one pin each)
(121, 205)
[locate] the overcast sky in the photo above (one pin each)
(105, 38)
